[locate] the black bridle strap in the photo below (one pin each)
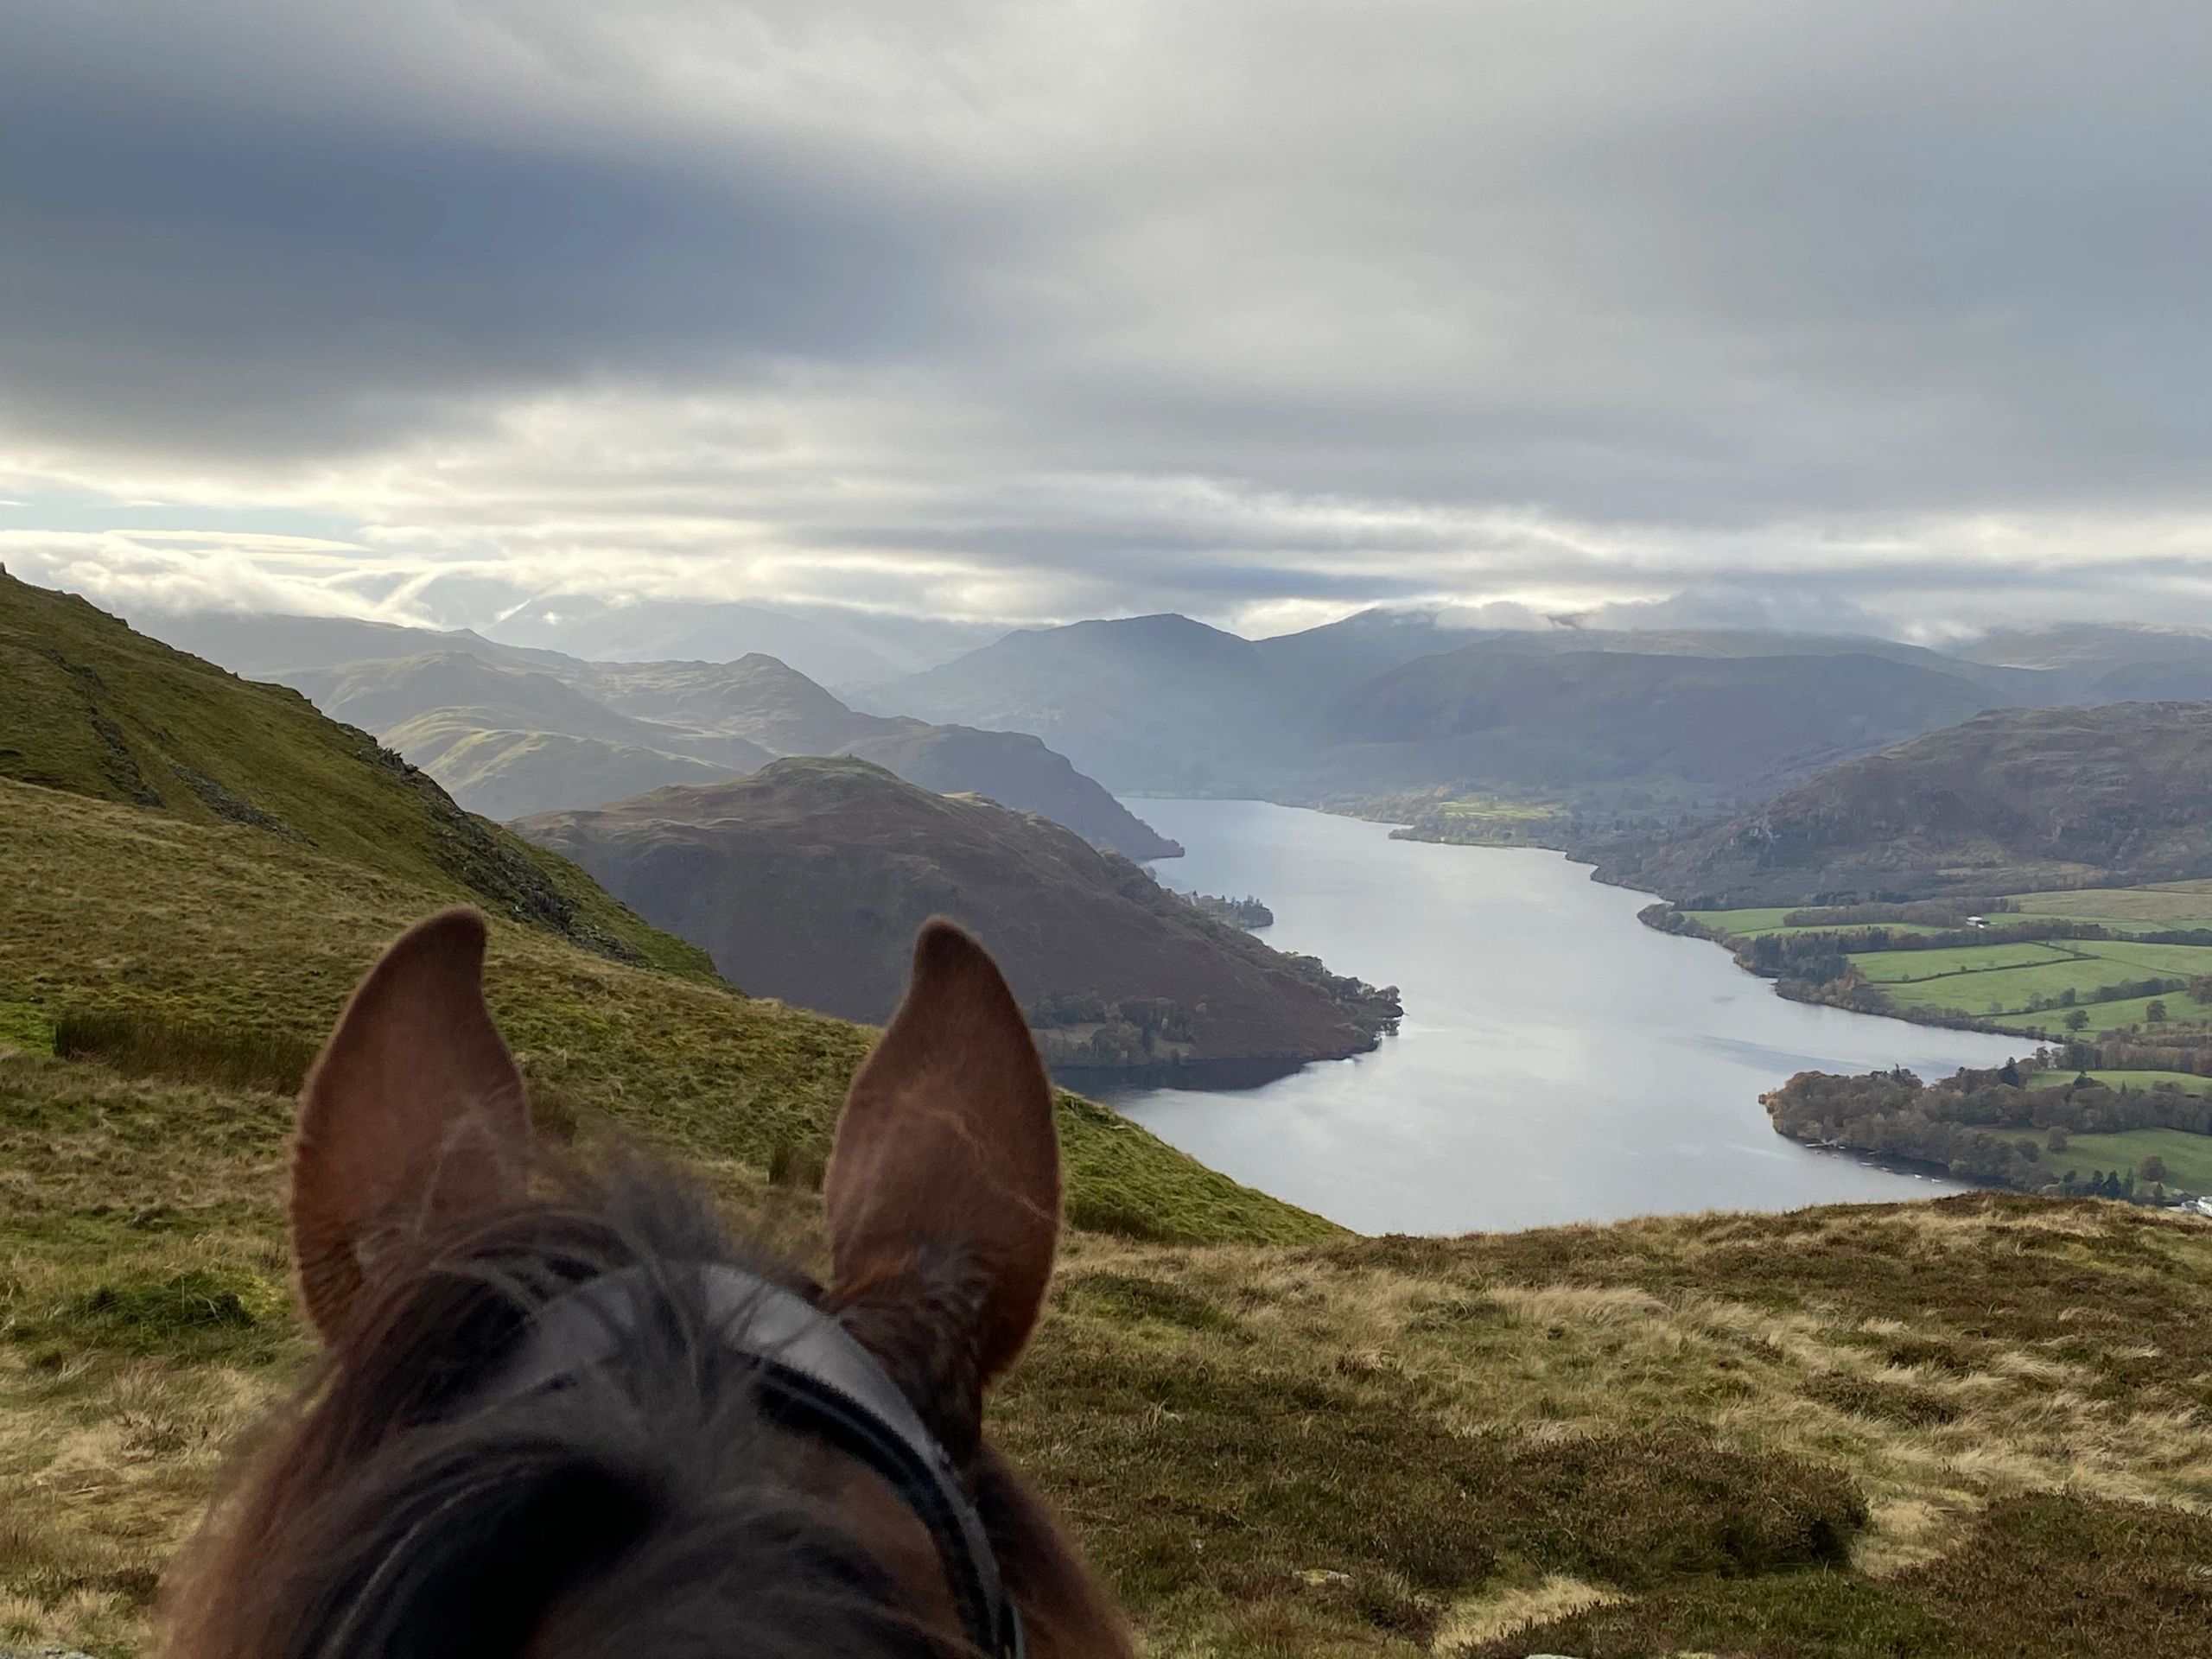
(813, 1377)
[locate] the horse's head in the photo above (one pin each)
(560, 1416)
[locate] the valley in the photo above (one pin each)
(1869, 1429)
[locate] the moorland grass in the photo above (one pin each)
(1796, 1435)
(134, 917)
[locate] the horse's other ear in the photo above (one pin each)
(414, 1110)
(947, 1149)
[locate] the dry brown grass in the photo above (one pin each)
(1795, 1423)
(1795, 1426)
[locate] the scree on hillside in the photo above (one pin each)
(1558, 1061)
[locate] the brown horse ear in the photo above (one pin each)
(414, 1110)
(947, 1148)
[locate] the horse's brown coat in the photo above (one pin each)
(412, 1157)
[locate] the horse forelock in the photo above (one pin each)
(650, 1506)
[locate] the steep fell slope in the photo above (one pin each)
(809, 878)
(507, 774)
(89, 705)
(2012, 800)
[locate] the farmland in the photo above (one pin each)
(2187, 1082)
(2132, 974)
(2187, 1157)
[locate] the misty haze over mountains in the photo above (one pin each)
(1381, 702)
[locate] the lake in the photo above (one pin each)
(1559, 1061)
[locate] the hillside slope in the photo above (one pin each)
(507, 774)
(2012, 800)
(423, 691)
(1504, 715)
(1385, 702)
(1905, 1432)
(90, 706)
(1151, 703)
(230, 929)
(809, 877)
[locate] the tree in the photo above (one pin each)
(2155, 1013)
(2200, 989)
(2057, 1139)
(2153, 1169)
(2009, 1077)
(2077, 1019)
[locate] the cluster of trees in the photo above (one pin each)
(1377, 1007)
(1986, 1126)
(2116, 1184)
(1247, 912)
(1078, 1030)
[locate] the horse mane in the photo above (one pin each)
(387, 1516)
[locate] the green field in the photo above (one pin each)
(2170, 904)
(2188, 1156)
(1499, 807)
(2188, 1082)
(1757, 924)
(1905, 966)
(2009, 989)
(2181, 1010)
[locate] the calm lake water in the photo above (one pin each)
(1559, 1060)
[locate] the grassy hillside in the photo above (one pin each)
(1974, 1428)
(1956, 1429)
(88, 706)
(235, 930)
(510, 774)
(2050, 797)
(808, 879)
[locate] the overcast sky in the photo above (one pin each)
(1834, 312)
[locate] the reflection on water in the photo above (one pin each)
(1558, 1061)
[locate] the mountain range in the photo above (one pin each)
(1386, 702)
(1380, 704)
(512, 731)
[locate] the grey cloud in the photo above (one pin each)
(1223, 307)
(250, 284)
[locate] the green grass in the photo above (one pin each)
(2164, 904)
(2188, 1082)
(195, 928)
(1958, 980)
(2189, 1156)
(1901, 967)
(2181, 1010)
(1758, 923)
(1499, 808)
(90, 706)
